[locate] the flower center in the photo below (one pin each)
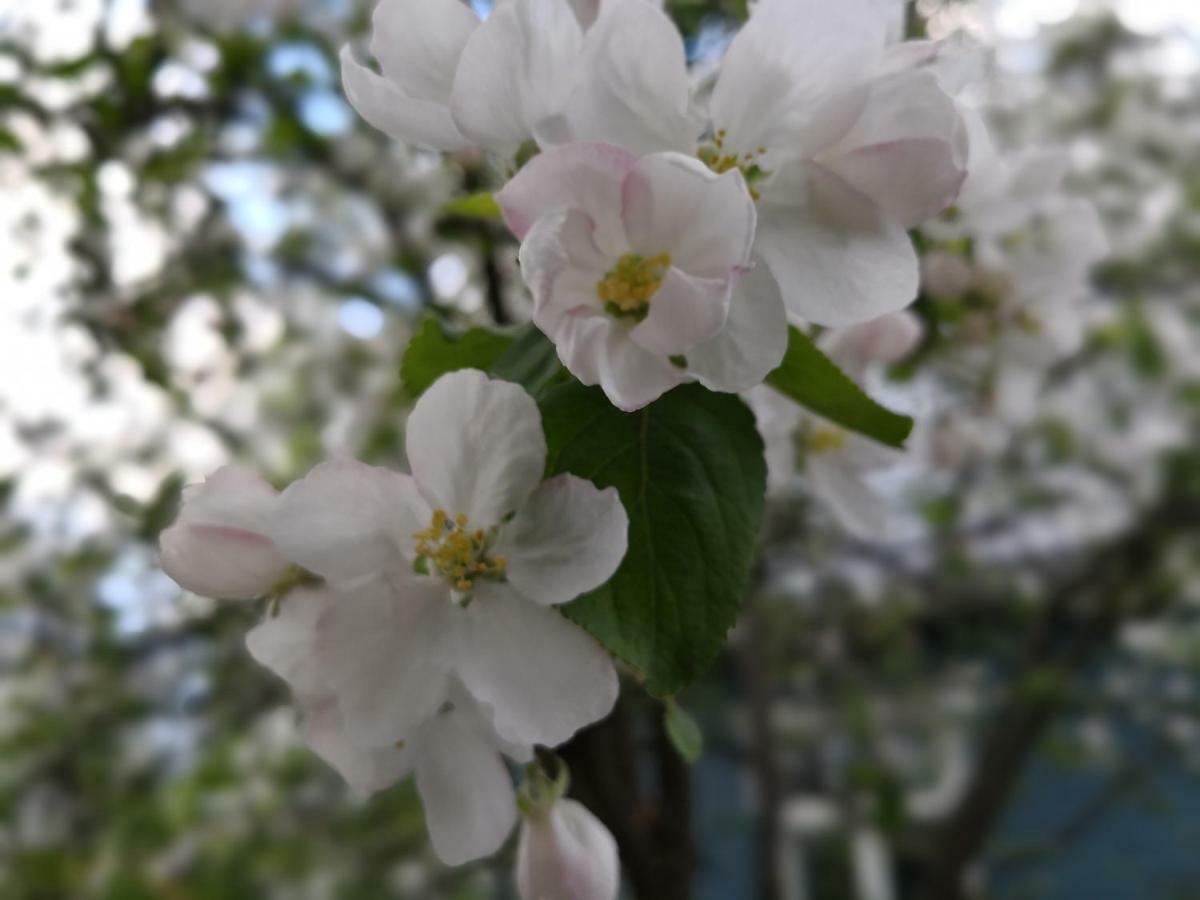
(449, 548)
(826, 439)
(716, 157)
(628, 286)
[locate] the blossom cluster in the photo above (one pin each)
(671, 229)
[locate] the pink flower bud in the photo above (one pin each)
(218, 546)
(567, 854)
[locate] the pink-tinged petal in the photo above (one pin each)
(366, 770)
(345, 520)
(597, 350)
(419, 42)
(470, 805)
(476, 446)
(285, 641)
(837, 262)
(882, 341)
(685, 311)
(675, 204)
(853, 503)
(541, 676)
(384, 649)
(585, 177)
(908, 149)
(791, 80)
(753, 341)
(562, 267)
(395, 113)
(567, 854)
(568, 539)
(517, 71)
(218, 546)
(637, 90)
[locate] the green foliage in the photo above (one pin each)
(810, 378)
(691, 474)
(434, 351)
(683, 731)
(523, 356)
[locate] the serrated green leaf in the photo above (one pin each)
(690, 471)
(481, 206)
(434, 351)
(530, 361)
(683, 731)
(810, 378)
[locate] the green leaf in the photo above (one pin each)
(810, 378)
(481, 206)
(683, 731)
(524, 356)
(531, 361)
(690, 471)
(434, 351)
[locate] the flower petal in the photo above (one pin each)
(396, 114)
(346, 519)
(562, 267)
(598, 350)
(675, 204)
(908, 149)
(637, 90)
(470, 806)
(883, 341)
(684, 311)
(285, 642)
(542, 676)
(566, 540)
(835, 265)
(789, 81)
(384, 650)
(516, 72)
(367, 770)
(476, 446)
(584, 177)
(419, 42)
(753, 341)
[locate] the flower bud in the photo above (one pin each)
(218, 546)
(565, 853)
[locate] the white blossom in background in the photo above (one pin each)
(637, 271)
(1018, 251)
(837, 463)
(845, 142)
(219, 545)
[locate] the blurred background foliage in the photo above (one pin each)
(205, 256)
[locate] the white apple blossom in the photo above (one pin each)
(447, 577)
(636, 268)
(455, 755)
(449, 81)
(219, 545)
(566, 853)
(838, 463)
(845, 142)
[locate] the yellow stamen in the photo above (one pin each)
(448, 547)
(629, 285)
(716, 157)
